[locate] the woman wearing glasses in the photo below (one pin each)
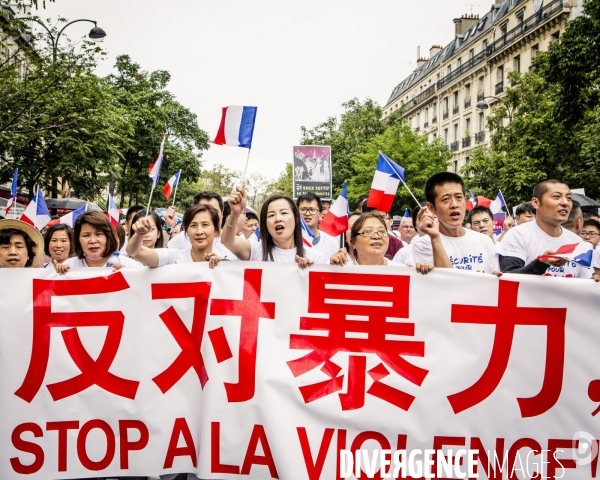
(368, 243)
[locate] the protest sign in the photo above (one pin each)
(261, 370)
(312, 171)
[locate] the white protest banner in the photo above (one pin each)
(257, 370)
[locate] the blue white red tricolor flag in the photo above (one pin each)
(579, 253)
(172, 183)
(256, 234)
(307, 235)
(13, 192)
(336, 220)
(406, 213)
(36, 213)
(113, 211)
(385, 183)
(70, 218)
(154, 170)
(472, 203)
(497, 204)
(237, 127)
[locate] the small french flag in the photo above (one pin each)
(579, 253)
(237, 127)
(154, 170)
(256, 234)
(497, 204)
(173, 181)
(388, 175)
(36, 213)
(13, 192)
(307, 235)
(113, 211)
(472, 203)
(336, 220)
(406, 213)
(69, 218)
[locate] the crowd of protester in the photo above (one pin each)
(442, 234)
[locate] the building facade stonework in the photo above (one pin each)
(440, 97)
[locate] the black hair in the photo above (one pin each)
(56, 228)
(251, 216)
(267, 241)
(438, 180)
(209, 195)
(8, 233)
(414, 215)
(592, 223)
(543, 186)
(131, 211)
(526, 207)
(480, 209)
(575, 212)
(157, 222)
(226, 212)
(101, 223)
(360, 200)
(590, 215)
(310, 197)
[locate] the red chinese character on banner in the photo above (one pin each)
(93, 372)
(505, 317)
(249, 308)
(375, 298)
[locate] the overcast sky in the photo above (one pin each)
(298, 61)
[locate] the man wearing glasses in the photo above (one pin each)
(591, 233)
(311, 208)
(407, 230)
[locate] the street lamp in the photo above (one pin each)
(96, 34)
(483, 105)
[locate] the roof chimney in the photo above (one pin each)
(434, 50)
(462, 24)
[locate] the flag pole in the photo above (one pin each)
(176, 185)
(150, 199)
(415, 198)
(246, 169)
(505, 205)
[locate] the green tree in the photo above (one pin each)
(359, 123)
(283, 184)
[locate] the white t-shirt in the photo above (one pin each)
(182, 242)
(528, 241)
(170, 256)
(286, 256)
(473, 251)
(596, 258)
(405, 255)
(75, 262)
(327, 245)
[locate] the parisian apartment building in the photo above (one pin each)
(449, 94)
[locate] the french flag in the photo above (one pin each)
(256, 234)
(36, 214)
(388, 175)
(579, 253)
(237, 127)
(173, 181)
(497, 204)
(154, 170)
(307, 235)
(13, 192)
(69, 218)
(336, 220)
(113, 211)
(472, 203)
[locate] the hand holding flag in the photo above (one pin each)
(388, 175)
(579, 253)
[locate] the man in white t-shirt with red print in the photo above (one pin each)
(522, 246)
(446, 243)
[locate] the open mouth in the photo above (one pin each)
(58, 252)
(279, 228)
(564, 212)
(455, 215)
(377, 244)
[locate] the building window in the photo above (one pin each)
(484, 46)
(446, 105)
(467, 127)
(534, 50)
(517, 63)
(500, 74)
(426, 115)
(555, 36)
(471, 54)
(459, 63)
(468, 90)
(418, 120)
(445, 136)
(455, 99)
(455, 166)
(449, 70)
(481, 124)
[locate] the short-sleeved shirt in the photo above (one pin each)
(528, 241)
(281, 255)
(405, 256)
(75, 262)
(473, 251)
(182, 242)
(170, 256)
(327, 244)
(596, 258)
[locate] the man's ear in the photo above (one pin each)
(431, 207)
(535, 202)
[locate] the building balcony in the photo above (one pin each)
(466, 142)
(445, 115)
(434, 120)
(499, 88)
(454, 146)
(417, 129)
(480, 95)
(480, 136)
(455, 110)
(426, 124)
(467, 103)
